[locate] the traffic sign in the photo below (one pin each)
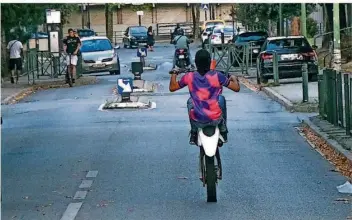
(124, 85)
(141, 13)
(142, 52)
(204, 6)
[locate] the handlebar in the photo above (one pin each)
(181, 70)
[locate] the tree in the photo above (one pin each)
(109, 25)
(196, 20)
(247, 13)
(23, 19)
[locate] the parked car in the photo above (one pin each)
(85, 33)
(292, 51)
(211, 23)
(229, 33)
(253, 38)
(205, 35)
(98, 55)
(135, 36)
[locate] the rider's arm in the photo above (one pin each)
(231, 83)
(65, 44)
(174, 85)
(78, 46)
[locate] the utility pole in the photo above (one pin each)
(337, 51)
(82, 13)
(280, 20)
(88, 12)
(303, 19)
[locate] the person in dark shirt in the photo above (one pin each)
(72, 45)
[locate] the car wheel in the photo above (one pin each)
(124, 45)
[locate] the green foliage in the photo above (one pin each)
(247, 13)
(312, 27)
(23, 19)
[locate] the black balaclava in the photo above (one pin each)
(202, 61)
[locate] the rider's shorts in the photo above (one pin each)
(74, 60)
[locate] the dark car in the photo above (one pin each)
(85, 33)
(255, 39)
(292, 51)
(135, 36)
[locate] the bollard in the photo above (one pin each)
(339, 99)
(321, 94)
(347, 104)
(247, 57)
(137, 70)
(334, 98)
(222, 37)
(305, 82)
(325, 92)
(276, 69)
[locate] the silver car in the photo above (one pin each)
(98, 55)
(229, 32)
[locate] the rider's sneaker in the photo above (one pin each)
(224, 135)
(193, 138)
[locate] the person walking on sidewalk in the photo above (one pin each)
(72, 45)
(15, 48)
(150, 39)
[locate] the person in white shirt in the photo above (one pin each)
(15, 48)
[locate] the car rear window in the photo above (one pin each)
(85, 33)
(139, 30)
(214, 23)
(287, 43)
(226, 30)
(251, 36)
(96, 45)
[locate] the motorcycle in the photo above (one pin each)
(209, 140)
(182, 58)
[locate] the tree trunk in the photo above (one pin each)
(109, 26)
(4, 55)
(343, 23)
(328, 20)
(196, 20)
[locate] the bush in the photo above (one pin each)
(312, 27)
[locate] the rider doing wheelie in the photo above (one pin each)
(206, 106)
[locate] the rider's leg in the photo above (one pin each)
(18, 68)
(190, 60)
(223, 124)
(174, 60)
(74, 60)
(193, 133)
(12, 69)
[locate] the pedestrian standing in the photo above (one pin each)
(15, 48)
(150, 39)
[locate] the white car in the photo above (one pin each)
(229, 33)
(208, 30)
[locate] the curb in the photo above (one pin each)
(289, 106)
(333, 143)
(279, 98)
(8, 99)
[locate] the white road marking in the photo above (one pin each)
(71, 211)
(92, 173)
(80, 195)
(86, 184)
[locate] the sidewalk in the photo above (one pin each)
(10, 93)
(290, 94)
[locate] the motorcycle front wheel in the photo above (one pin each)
(211, 179)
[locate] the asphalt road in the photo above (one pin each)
(145, 167)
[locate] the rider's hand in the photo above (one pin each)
(175, 70)
(75, 53)
(233, 78)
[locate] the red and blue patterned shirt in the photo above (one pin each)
(205, 91)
